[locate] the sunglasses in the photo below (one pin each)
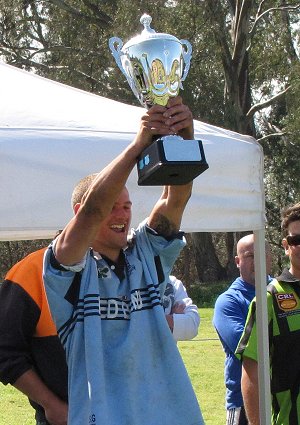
(293, 240)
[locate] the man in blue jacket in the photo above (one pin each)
(230, 314)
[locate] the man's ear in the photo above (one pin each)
(285, 246)
(237, 261)
(76, 207)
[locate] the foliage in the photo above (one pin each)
(204, 295)
(244, 76)
(13, 251)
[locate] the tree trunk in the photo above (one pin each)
(208, 265)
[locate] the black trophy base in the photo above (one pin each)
(171, 160)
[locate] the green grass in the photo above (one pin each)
(14, 407)
(204, 360)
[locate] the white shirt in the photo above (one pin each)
(185, 324)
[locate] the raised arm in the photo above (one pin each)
(166, 215)
(98, 201)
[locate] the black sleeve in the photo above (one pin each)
(19, 315)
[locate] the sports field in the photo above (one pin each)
(204, 360)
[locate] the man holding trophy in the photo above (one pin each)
(105, 291)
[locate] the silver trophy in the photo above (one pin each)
(155, 64)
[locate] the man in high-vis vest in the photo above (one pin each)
(283, 301)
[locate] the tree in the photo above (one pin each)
(244, 76)
(13, 251)
(243, 32)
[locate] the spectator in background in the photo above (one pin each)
(230, 314)
(31, 356)
(181, 314)
(283, 302)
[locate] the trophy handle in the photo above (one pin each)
(187, 54)
(115, 45)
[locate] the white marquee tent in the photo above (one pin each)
(51, 135)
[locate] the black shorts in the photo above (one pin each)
(40, 418)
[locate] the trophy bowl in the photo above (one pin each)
(155, 64)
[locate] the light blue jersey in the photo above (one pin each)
(124, 366)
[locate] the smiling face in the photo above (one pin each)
(112, 235)
(293, 251)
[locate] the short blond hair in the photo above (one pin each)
(81, 188)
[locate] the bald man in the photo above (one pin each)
(230, 315)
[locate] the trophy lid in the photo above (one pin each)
(148, 33)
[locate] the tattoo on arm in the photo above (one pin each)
(164, 227)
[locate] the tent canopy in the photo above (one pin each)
(52, 135)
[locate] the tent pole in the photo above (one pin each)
(262, 328)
